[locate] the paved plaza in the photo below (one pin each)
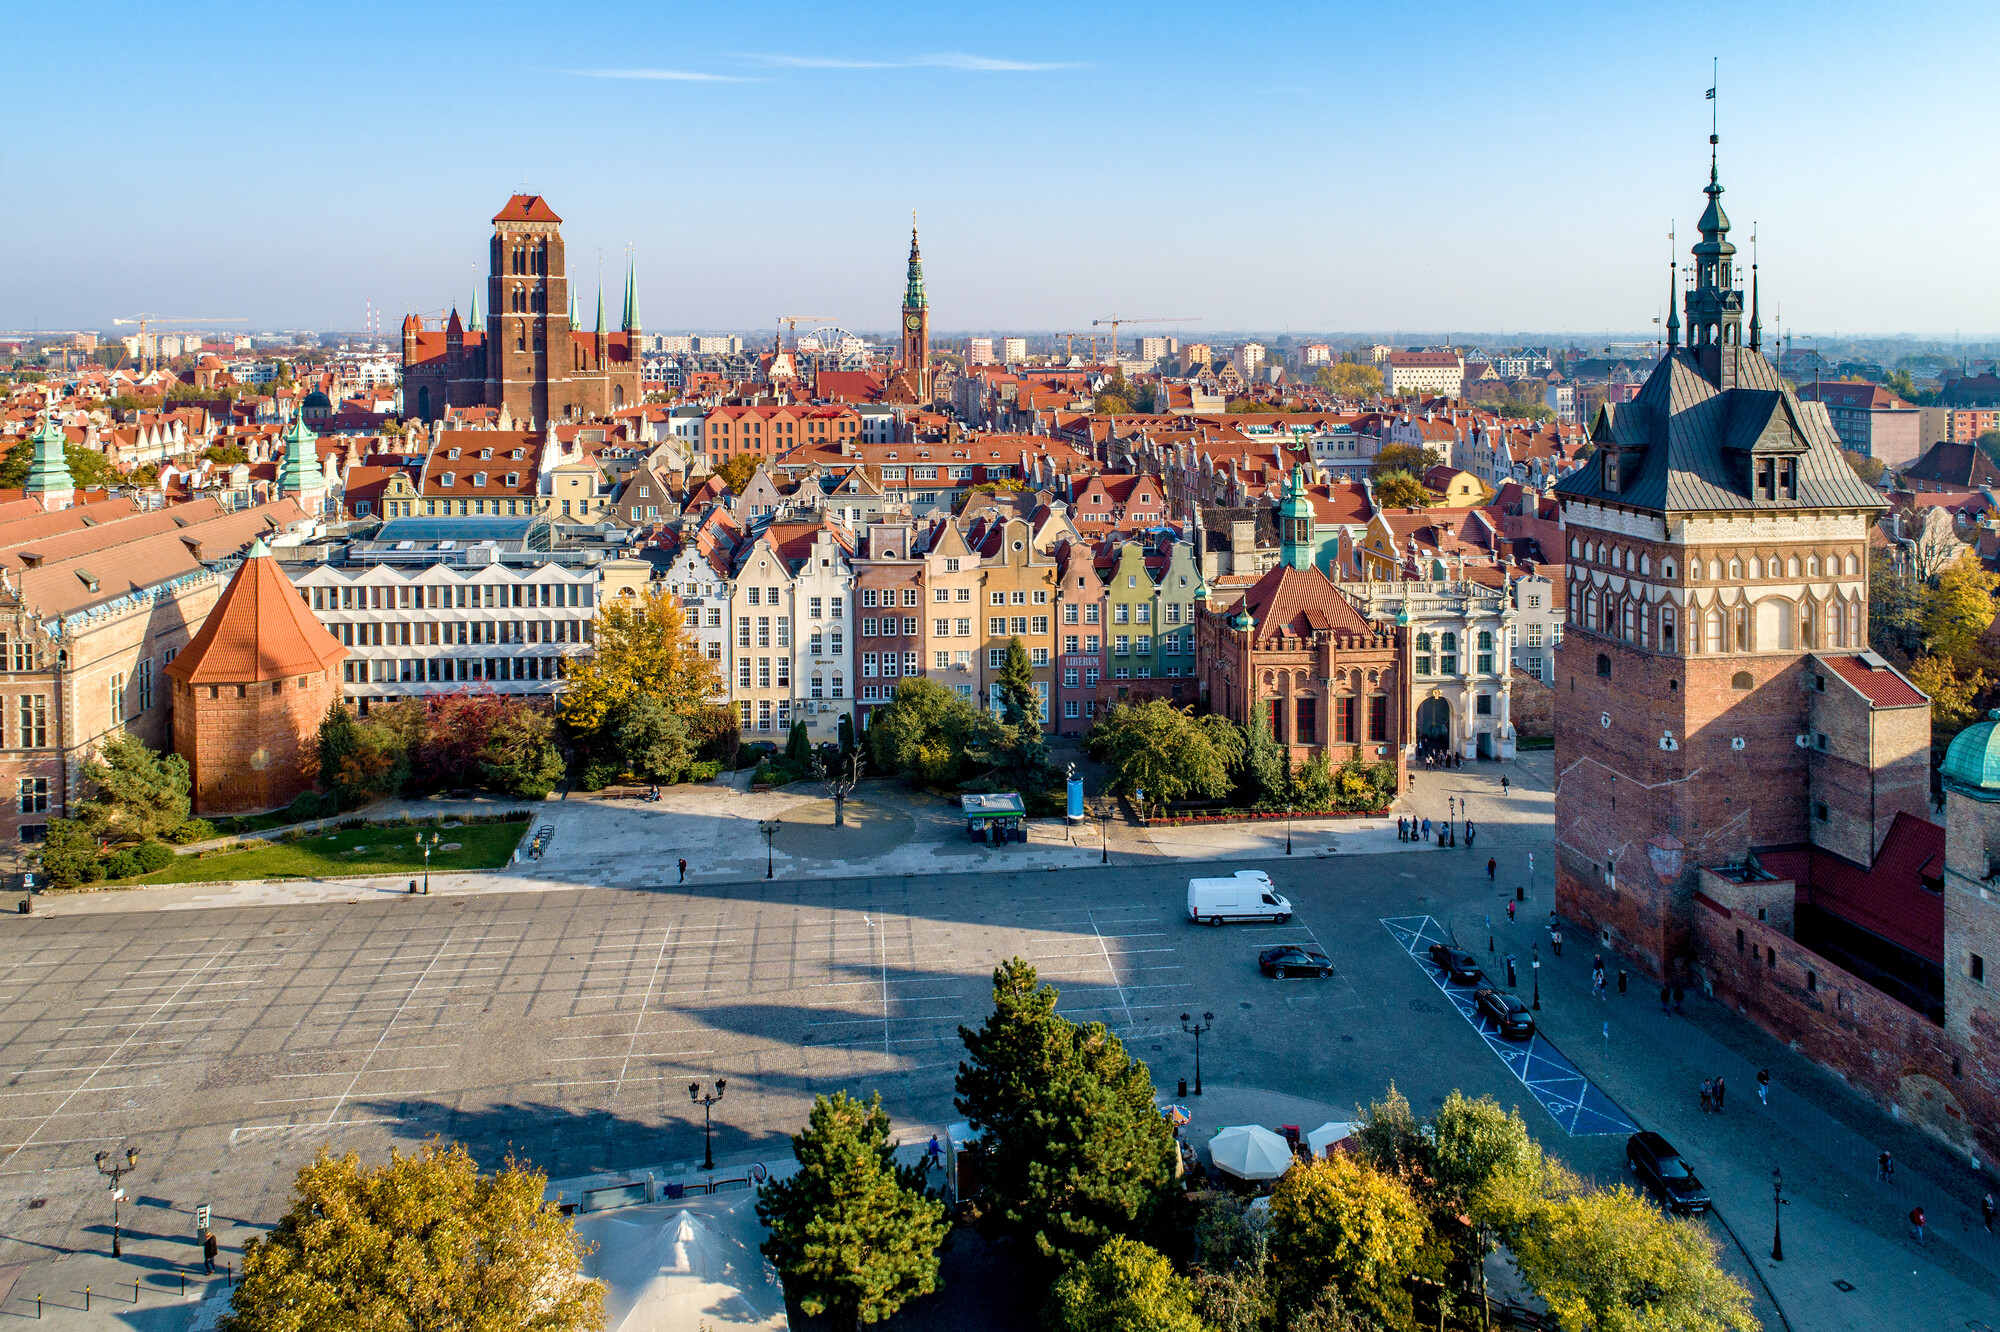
(536, 1013)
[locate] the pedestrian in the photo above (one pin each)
(1510, 911)
(1718, 1095)
(1470, 833)
(1402, 831)
(1503, 784)
(1707, 1096)
(1665, 994)
(1885, 1166)
(208, 1253)
(1988, 1211)
(934, 1154)
(1764, 1086)
(1492, 870)
(1917, 1224)
(684, 869)
(1597, 980)
(1597, 962)
(1679, 994)
(1427, 828)
(1621, 980)
(1556, 942)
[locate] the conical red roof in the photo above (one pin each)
(260, 629)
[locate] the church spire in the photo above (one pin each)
(913, 293)
(1714, 303)
(631, 324)
(473, 322)
(1673, 301)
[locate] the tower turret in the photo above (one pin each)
(916, 319)
(49, 479)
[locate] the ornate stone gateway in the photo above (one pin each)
(1434, 720)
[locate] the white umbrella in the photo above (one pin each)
(1326, 1135)
(1250, 1151)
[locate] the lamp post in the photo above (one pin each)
(769, 827)
(425, 845)
(1208, 1020)
(707, 1100)
(115, 1172)
(1778, 1206)
(1538, 978)
(1104, 837)
(1288, 829)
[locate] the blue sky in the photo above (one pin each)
(1305, 167)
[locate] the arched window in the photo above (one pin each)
(1714, 569)
(1423, 645)
(1575, 548)
(1852, 566)
(1713, 638)
(1792, 567)
(1736, 568)
(1667, 569)
(1741, 680)
(1667, 643)
(1742, 628)
(1603, 667)
(1630, 611)
(1645, 564)
(1836, 627)
(1812, 566)
(1590, 611)
(1808, 627)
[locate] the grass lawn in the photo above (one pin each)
(377, 850)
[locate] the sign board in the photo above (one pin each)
(201, 1219)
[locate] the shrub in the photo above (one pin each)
(152, 856)
(69, 855)
(194, 830)
(703, 771)
(597, 776)
(297, 834)
(304, 808)
(121, 865)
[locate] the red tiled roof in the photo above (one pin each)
(527, 208)
(260, 629)
(1885, 688)
(1302, 601)
(1890, 899)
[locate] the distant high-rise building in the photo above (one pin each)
(1315, 354)
(979, 351)
(1152, 350)
(1248, 359)
(1014, 351)
(717, 346)
(1195, 357)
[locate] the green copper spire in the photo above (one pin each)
(49, 474)
(631, 297)
(913, 293)
(572, 307)
(1295, 522)
(258, 550)
(473, 322)
(600, 308)
(300, 472)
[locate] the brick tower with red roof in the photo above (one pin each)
(250, 691)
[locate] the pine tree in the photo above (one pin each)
(850, 1234)
(1072, 1150)
(1020, 705)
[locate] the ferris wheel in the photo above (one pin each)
(831, 339)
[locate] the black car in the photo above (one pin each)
(1460, 965)
(1509, 1014)
(1294, 960)
(1656, 1163)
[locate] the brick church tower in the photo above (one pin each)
(1717, 544)
(250, 691)
(917, 323)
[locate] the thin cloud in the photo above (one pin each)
(939, 60)
(659, 75)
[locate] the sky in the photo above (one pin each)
(1311, 167)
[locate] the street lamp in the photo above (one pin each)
(1778, 1205)
(1207, 1021)
(706, 1100)
(115, 1172)
(769, 827)
(1538, 978)
(1104, 837)
(425, 845)
(1288, 830)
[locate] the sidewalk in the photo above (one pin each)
(1849, 1260)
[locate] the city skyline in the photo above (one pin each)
(1313, 173)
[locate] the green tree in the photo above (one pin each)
(1019, 703)
(1989, 444)
(364, 761)
(798, 747)
(1125, 1286)
(1896, 608)
(423, 1241)
(1166, 751)
(922, 734)
(1398, 490)
(1608, 1260)
(1313, 785)
(1265, 779)
(652, 741)
(639, 646)
(1406, 458)
(1343, 1223)
(737, 471)
(1350, 380)
(140, 794)
(1072, 1150)
(1953, 692)
(1868, 469)
(69, 854)
(1960, 609)
(851, 1235)
(521, 757)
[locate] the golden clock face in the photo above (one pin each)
(913, 323)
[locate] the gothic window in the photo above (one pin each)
(1667, 569)
(1603, 667)
(1792, 567)
(1575, 547)
(1808, 630)
(1812, 566)
(1852, 567)
(1742, 617)
(1713, 637)
(1836, 629)
(1590, 611)
(1714, 569)
(1736, 568)
(1627, 628)
(1645, 564)
(1667, 643)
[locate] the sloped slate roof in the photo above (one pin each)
(260, 629)
(1303, 601)
(1685, 425)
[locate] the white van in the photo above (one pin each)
(1246, 895)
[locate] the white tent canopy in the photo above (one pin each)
(1326, 1135)
(681, 1266)
(1250, 1151)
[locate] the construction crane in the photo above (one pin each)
(1069, 345)
(1116, 320)
(792, 323)
(146, 321)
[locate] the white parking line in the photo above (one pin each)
(386, 1029)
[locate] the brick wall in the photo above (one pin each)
(1891, 1054)
(246, 754)
(1533, 708)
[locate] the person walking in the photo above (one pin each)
(1503, 783)
(208, 1253)
(1666, 993)
(1402, 830)
(1470, 833)
(1764, 1086)
(1718, 1095)
(1917, 1224)
(1492, 871)
(1679, 994)
(1597, 979)
(1885, 1166)
(1707, 1096)
(1988, 1211)
(1510, 911)
(684, 869)
(1556, 942)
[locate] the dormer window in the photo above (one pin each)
(453, 453)
(486, 453)
(513, 478)
(479, 478)
(447, 479)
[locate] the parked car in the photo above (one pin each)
(1509, 1014)
(1294, 960)
(1653, 1159)
(1460, 965)
(1239, 897)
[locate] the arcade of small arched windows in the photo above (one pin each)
(1357, 707)
(1717, 567)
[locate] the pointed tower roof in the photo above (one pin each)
(260, 629)
(600, 308)
(49, 472)
(572, 307)
(913, 292)
(473, 320)
(631, 324)
(301, 468)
